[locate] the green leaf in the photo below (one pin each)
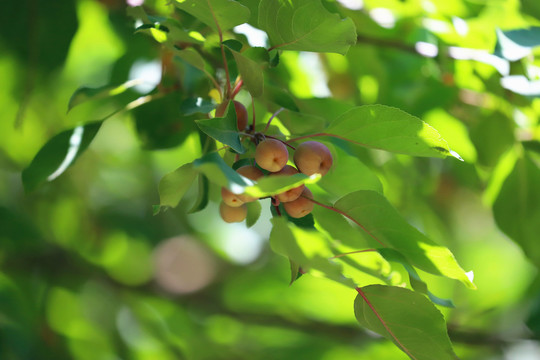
(174, 185)
(387, 128)
(382, 223)
(202, 197)
(305, 25)
(280, 97)
(84, 94)
(192, 57)
(192, 106)
(250, 66)
(348, 174)
(224, 130)
(58, 154)
(272, 185)
(228, 13)
(339, 228)
(254, 212)
(517, 208)
(306, 248)
(407, 318)
(218, 172)
(416, 282)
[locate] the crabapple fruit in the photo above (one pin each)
(271, 155)
(252, 173)
(312, 157)
(230, 198)
(292, 194)
(232, 214)
(301, 206)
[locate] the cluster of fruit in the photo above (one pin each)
(310, 157)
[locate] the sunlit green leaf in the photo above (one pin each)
(307, 248)
(228, 13)
(254, 212)
(84, 94)
(416, 282)
(386, 227)
(387, 128)
(347, 175)
(305, 25)
(59, 153)
(174, 185)
(407, 318)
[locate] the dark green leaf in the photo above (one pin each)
(192, 57)
(228, 13)
(280, 97)
(234, 45)
(224, 130)
(517, 208)
(192, 106)
(387, 128)
(59, 153)
(174, 185)
(406, 318)
(383, 224)
(305, 25)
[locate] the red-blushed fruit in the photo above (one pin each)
(292, 194)
(301, 206)
(252, 173)
(271, 155)
(230, 198)
(312, 157)
(232, 214)
(241, 113)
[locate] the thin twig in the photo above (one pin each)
(271, 118)
(284, 142)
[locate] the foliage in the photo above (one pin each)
(111, 242)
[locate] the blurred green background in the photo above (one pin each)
(86, 271)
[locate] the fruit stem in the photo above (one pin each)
(271, 118)
(284, 142)
(347, 216)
